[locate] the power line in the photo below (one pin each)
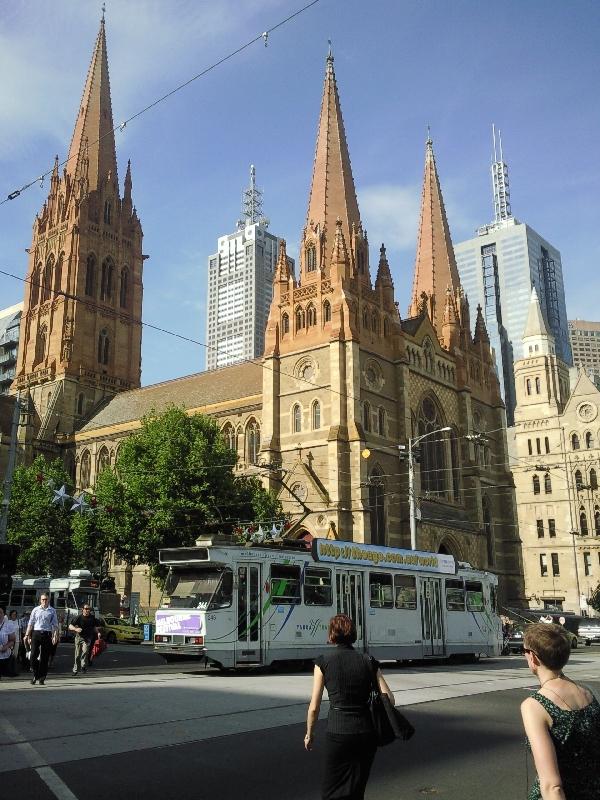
(264, 36)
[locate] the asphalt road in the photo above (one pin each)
(134, 729)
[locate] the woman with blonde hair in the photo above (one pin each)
(350, 743)
(562, 721)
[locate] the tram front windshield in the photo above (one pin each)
(85, 598)
(198, 587)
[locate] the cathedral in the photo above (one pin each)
(345, 380)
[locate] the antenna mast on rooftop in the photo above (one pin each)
(252, 204)
(500, 184)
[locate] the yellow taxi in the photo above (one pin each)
(119, 630)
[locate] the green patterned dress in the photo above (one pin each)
(576, 738)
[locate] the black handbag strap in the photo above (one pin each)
(373, 673)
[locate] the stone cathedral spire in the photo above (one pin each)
(435, 265)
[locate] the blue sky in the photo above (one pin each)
(530, 66)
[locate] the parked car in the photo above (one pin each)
(589, 631)
(119, 630)
(515, 639)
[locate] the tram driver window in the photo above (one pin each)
(30, 597)
(317, 587)
(224, 593)
(381, 590)
(285, 584)
(455, 595)
(474, 596)
(405, 589)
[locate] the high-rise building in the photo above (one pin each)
(584, 338)
(240, 285)
(498, 268)
(10, 322)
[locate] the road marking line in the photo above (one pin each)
(37, 762)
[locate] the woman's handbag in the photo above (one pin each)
(388, 723)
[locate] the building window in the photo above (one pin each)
(252, 442)
(296, 419)
(552, 528)
(285, 324)
(316, 415)
(578, 481)
(103, 347)
(381, 421)
(311, 316)
(538, 387)
(86, 470)
(365, 319)
(547, 444)
(538, 447)
(543, 565)
(229, 435)
(588, 440)
(299, 318)
(593, 479)
(123, 294)
(367, 416)
(583, 525)
(80, 404)
(547, 483)
(529, 447)
(106, 281)
(433, 448)
(528, 385)
(574, 442)
(540, 528)
(107, 212)
(40, 344)
(103, 460)
(374, 323)
(327, 311)
(311, 258)
(536, 484)
(555, 566)
(597, 521)
(587, 564)
(35, 286)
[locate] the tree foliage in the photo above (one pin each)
(173, 481)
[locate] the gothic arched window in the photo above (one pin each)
(574, 442)
(40, 344)
(583, 524)
(106, 281)
(367, 416)
(593, 480)
(578, 480)
(103, 460)
(316, 415)
(365, 319)
(47, 280)
(90, 276)
(229, 435)
(35, 286)
(588, 440)
(311, 316)
(299, 318)
(58, 272)
(528, 385)
(597, 520)
(538, 386)
(547, 483)
(433, 449)
(381, 420)
(326, 311)
(375, 323)
(103, 347)
(547, 443)
(107, 212)
(252, 442)
(296, 419)
(85, 471)
(536, 484)
(285, 324)
(124, 290)
(311, 258)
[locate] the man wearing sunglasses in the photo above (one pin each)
(42, 631)
(85, 628)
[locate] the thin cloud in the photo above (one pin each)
(391, 214)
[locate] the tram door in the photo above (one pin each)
(249, 646)
(432, 617)
(349, 592)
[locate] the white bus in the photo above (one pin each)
(67, 595)
(262, 604)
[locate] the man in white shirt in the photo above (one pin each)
(7, 639)
(42, 632)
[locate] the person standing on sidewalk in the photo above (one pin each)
(7, 640)
(42, 631)
(85, 628)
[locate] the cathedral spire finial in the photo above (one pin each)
(103, 12)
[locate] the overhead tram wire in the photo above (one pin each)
(264, 36)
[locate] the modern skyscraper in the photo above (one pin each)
(10, 321)
(240, 285)
(498, 268)
(585, 345)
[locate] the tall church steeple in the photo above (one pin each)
(435, 265)
(92, 155)
(332, 192)
(81, 328)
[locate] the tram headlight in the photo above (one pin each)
(194, 639)
(160, 638)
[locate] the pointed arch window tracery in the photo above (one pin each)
(35, 286)
(40, 343)
(299, 318)
(90, 275)
(326, 311)
(106, 280)
(228, 434)
(47, 281)
(311, 316)
(285, 324)
(252, 442)
(103, 347)
(433, 449)
(311, 258)
(593, 480)
(536, 484)
(124, 288)
(296, 418)
(316, 415)
(85, 470)
(583, 523)
(103, 460)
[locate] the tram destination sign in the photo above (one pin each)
(371, 555)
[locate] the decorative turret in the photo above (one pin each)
(340, 260)
(435, 265)
(451, 323)
(536, 338)
(127, 187)
(282, 272)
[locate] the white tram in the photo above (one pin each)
(262, 604)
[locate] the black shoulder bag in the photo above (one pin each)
(388, 723)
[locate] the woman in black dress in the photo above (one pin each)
(350, 741)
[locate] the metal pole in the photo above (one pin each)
(411, 498)
(10, 469)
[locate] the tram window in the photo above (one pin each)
(405, 589)
(222, 597)
(16, 597)
(317, 587)
(29, 597)
(455, 595)
(58, 600)
(381, 590)
(474, 596)
(285, 584)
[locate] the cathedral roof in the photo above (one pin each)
(92, 149)
(435, 265)
(332, 191)
(233, 383)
